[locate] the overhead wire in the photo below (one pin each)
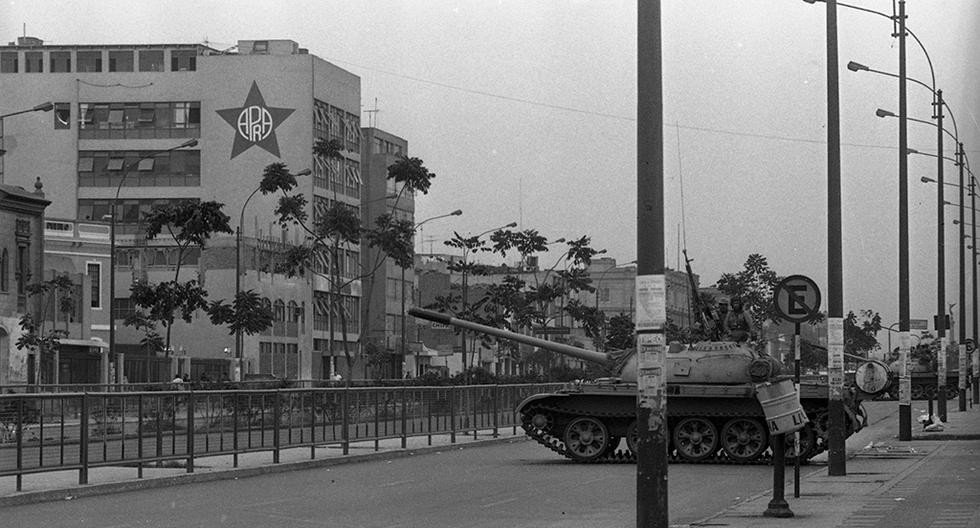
(774, 137)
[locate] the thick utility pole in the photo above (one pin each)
(905, 380)
(837, 456)
(941, 263)
(651, 315)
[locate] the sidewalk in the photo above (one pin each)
(63, 485)
(933, 480)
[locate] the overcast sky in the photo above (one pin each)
(526, 111)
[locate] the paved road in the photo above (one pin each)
(518, 484)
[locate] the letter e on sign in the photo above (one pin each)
(797, 299)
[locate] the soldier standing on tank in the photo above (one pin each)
(738, 324)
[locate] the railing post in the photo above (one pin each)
(276, 416)
(345, 421)
(83, 442)
(139, 435)
(19, 434)
(377, 422)
(452, 414)
(236, 401)
(428, 417)
(475, 403)
(159, 453)
(190, 432)
(496, 419)
(313, 394)
(404, 418)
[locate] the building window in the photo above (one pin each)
(260, 46)
(22, 270)
(89, 61)
(115, 164)
(121, 61)
(60, 61)
(4, 270)
(180, 168)
(183, 60)
(34, 62)
(8, 62)
(62, 115)
(151, 60)
(94, 271)
(139, 120)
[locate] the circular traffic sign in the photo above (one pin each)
(797, 298)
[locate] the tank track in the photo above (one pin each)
(626, 456)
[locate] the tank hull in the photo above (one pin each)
(595, 422)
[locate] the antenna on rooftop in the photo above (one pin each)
(372, 114)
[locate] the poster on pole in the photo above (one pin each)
(651, 302)
(835, 356)
(961, 375)
(904, 380)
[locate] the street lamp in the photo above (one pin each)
(457, 212)
(43, 107)
(112, 240)
(900, 31)
(238, 275)
(941, 328)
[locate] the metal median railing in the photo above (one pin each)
(43, 432)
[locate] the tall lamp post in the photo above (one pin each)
(43, 107)
(238, 275)
(959, 161)
(112, 239)
(900, 30)
(457, 212)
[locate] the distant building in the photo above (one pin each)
(21, 262)
(119, 112)
(388, 289)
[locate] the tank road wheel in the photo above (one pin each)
(952, 392)
(538, 420)
(743, 439)
(586, 439)
(930, 392)
(918, 392)
(695, 439)
(807, 447)
(632, 437)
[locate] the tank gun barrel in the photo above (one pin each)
(561, 348)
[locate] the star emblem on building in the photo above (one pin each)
(255, 123)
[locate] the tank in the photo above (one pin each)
(713, 415)
(924, 378)
(924, 372)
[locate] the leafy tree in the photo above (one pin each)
(860, 332)
(189, 226)
(337, 230)
(56, 294)
(754, 285)
(621, 332)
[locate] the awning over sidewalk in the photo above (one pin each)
(84, 342)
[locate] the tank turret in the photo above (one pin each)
(709, 362)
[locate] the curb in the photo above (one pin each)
(946, 436)
(91, 490)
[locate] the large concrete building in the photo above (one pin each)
(123, 116)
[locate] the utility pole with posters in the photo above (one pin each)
(651, 315)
